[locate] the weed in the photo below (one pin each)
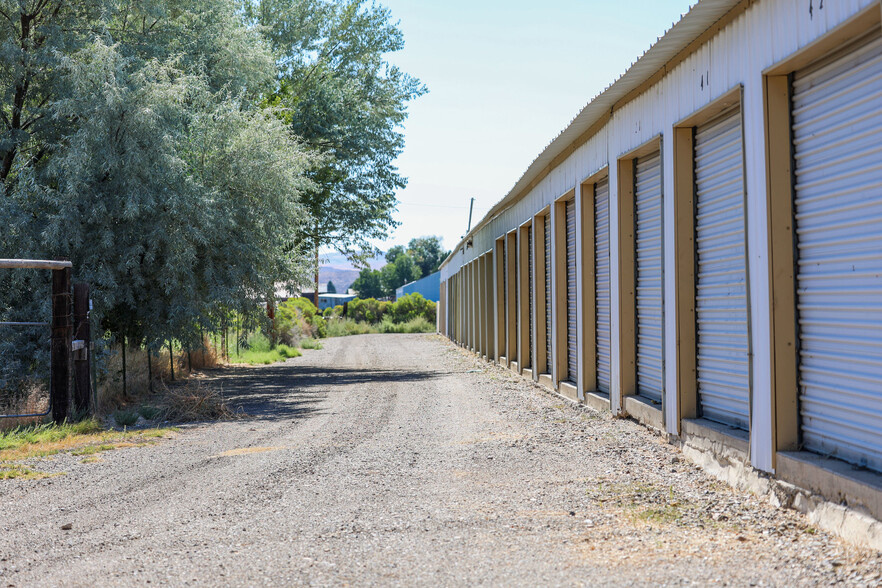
(125, 418)
(257, 355)
(10, 472)
(93, 449)
(417, 325)
(91, 460)
(149, 412)
(310, 344)
(46, 433)
(667, 514)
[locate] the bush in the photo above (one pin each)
(417, 325)
(298, 318)
(346, 326)
(369, 310)
(125, 418)
(412, 306)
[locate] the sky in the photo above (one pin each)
(504, 78)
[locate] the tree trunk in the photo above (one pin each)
(125, 389)
(171, 360)
(315, 293)
(149, 370)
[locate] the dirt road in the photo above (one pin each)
(402, 460)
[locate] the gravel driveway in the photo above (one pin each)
(403, 460)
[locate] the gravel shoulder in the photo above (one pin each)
(404, 460)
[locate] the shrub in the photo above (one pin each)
(417, 325)
(369, 310)
(125, 418)
(311, 344)
(412, 306)
(298, 318)
(346, 326)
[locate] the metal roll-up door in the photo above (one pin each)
(721, 280)
(602, 281)
(650, 304)
(546, 221)
(837, 125)
(504, 327)
(572, 351)
(528, 361)
(517, 300)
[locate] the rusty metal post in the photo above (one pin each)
(60, 344)
(82, 338)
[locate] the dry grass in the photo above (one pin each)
(110, 387)
(35, 401)
(195, 401)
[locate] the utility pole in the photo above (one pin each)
(471, 208)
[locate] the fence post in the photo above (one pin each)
(60, 344)
(82, 359)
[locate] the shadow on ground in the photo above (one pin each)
(289, 391)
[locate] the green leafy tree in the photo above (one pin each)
(402, 271)
(369, 284)
(174, 194)
(332, 289)
(428, 253)
(394, 253)
(347, 102)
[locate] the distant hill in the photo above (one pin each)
(342, 277)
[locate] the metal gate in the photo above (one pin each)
(837, 125)
(650, 302)
(721, 272)
(602, 281)
(546, 221)
(572, 351)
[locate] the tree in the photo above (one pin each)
(347, 102)
(369, 284)
(173, 193)
(427, 253)
(394, 253)
(332, 289)
(403, 271)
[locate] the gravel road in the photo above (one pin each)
(403, 460)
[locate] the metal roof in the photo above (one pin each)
(696, 21)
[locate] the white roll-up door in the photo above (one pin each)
(517, 300)
(546, 221)
(721, 280)
(528, 361)
(504, 326)
(572, 351)
(648, 221)
(601, 291)
(837, 149)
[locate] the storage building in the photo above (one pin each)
(701, 248)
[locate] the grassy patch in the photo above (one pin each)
(310, 344)
(417, 325)
(84, 438)
(11, 472)
(265, 357)
(93, 449)
(342, 327)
